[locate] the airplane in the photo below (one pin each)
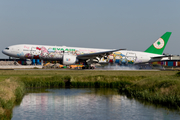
(72, 55)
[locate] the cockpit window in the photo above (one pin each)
(7, 48)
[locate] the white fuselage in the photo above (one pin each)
(44, 52)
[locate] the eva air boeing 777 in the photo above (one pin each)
(72, 55)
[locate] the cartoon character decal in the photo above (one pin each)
(36, 57)
(123, 60)
(28, 55)
(119, 58)
(131, 57)
(57, 53)
(51, 55)
(111, 58)
(77, 52)
(50, 50)
(54, 53)
(20, 54)
(37, 48)
(44, 52)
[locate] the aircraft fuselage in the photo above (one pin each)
(43, 52)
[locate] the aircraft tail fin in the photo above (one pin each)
(158, 46)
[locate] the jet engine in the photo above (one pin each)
(68, 59)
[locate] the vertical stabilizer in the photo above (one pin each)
(158, 46)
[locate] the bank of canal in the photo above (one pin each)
(162, 89)
(86, 103)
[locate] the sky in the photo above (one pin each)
(114, 24)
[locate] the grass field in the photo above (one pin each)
(159, 87)
(14, 73)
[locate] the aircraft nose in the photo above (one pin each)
(5, 51)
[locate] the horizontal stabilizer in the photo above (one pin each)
(158, 57)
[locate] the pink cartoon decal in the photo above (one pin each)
(44, 52)
(58, 54)
(28, 55)
(77, 52)
(51, 55)
(26, 47)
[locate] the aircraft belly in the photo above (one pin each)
(142, 60)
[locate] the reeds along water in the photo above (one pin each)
(157, 87)
(10, 92)
(160, 90)
(54, 81)
(164, 90)
(79, 81)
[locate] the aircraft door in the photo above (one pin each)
(131, 57)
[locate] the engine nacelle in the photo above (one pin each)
(69, 59)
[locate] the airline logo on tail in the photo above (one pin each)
(159, 43)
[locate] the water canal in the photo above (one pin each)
(86, 104)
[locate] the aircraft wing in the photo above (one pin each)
(97, 54)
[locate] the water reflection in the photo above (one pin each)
(85, 104)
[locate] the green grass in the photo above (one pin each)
(164, 90)
(82, 73)
(11, 91)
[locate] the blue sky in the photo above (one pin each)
(129, 24)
